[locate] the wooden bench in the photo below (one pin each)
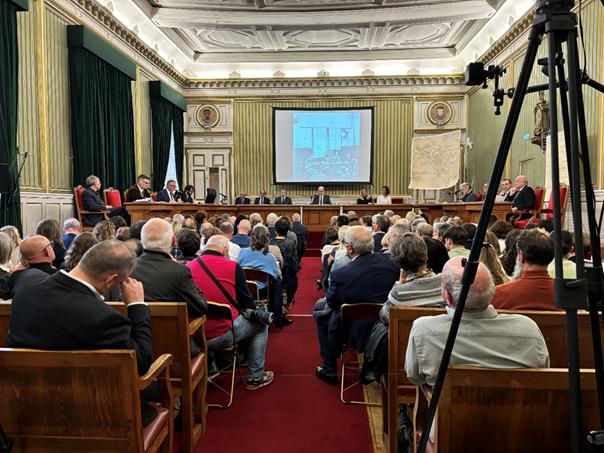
(396, 388)
(501, 411)
(81, 401)
(189, 376)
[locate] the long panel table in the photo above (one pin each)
(315, 217)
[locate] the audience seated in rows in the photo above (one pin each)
(242, 238)
(6, 249)
(223, 281)
(455, 238)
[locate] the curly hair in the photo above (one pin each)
(78, 247)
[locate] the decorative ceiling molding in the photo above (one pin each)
(518, 29)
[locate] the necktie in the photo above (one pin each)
(320, 200)
(282, 200)
(171, 196)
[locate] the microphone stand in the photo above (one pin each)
(11, 197)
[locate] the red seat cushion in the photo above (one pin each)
(79, 193)
(153, 429)
(113, 198)
(198, 364)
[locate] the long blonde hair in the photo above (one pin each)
(488, 256)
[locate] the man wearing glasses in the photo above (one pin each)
(37, 253)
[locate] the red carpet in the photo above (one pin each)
(297, 413)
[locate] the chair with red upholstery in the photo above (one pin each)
(478, 196)
(549, 211)
(534, 211)
(154, 196)
(78, 191)
(112, 197)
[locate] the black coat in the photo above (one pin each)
(165, 280)
(186, 198)
(315, 199)
(265, 200)
(133, 193)
(286, 200)
(377, 241)
(525, 199)
(238, 200)
(469, 197)
(302, 235)
(92, 201)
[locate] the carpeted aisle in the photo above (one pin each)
(297, 413)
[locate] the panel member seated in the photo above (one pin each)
(140, 190)
(242, 199)
(169, 194)
(283, 198)
(186, 195)
(92, 201)
(320, 197)
(467, 196)
(365, 198)
(262, 199)
(523, 198)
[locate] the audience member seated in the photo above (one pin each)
(332, 239)
(135, 246)
(242, 238)
(186, 196)
(394, 232)
(67, 310)
(255, 219)
(546, 224)
(424, 230)
(569, 269)
(36, 253)
(471, 232)
(522, 197)
(339, 255)
(320, 197)
(439, 230)
(367, 221)
(71, 228)
(242, 199)
(491, 239)
(533, 288)
(501, 228)
(455, 241)
(485, 338)
(104, 231)
(467, 196)
(283, 198)
(77, 249)
(122, 234)
(136, 228)
(227, 231)
(384, 197)
(271, 219)
(92, 202)
(169, 194)
(352, 218)
(51, 230)
(365, 198)
(342, 220)
(164, 279)
(262, 199)
(189, 243)
(380, 225)
(489, 257)
(508, 258)
(287, 246)
(6, 248)
(368, 278)
(13, 234)
(217, 278)
(118, 222)
(140, 190)
(301, 232)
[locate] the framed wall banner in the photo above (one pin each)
(207, 116)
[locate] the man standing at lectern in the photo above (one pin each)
(320, 197)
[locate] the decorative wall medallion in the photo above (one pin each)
(439, 113)
(208, 116)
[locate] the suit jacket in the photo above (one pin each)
(286, 200)
(133, 193)
(58, 312)
(186, 198)
(377, 241)
(468, 198)
(525, 199)
(301, 233)
(265, 200)
(163, 195)
(315, 199)
(92, 201)
(238, 200)
(364, 200)
(367, 278)
(165, 280)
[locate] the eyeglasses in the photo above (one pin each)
(50, 244)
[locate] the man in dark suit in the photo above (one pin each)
(92, 201)
(467, 195)
(320, 197)
(524, 198)
(369, 277)
(242, 199)
(140, 190)
(164, 279)
(262, 199)
(506, 186)
(379, 225)
(283, 198)
(37, 253)
(67, 311)
(169, 194)
(301, 233)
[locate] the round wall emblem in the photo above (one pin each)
(439, 113)
(208, 115)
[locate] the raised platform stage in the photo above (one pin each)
(315, 217)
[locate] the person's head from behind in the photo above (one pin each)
(424, 230)
(227, 230)
(50, 229)
(481, 292)
(366, 221)
(256, 218)
(200, 217)
(6, 249)
(71, 226)
(282, 226)
(37, 249)
(568, 243)
(296, 217)
(331, 235)
(394, 233)
(136, 228)
(343, 220)
(439, 230)
(489, 257)
(380, 223)
(358, 241)
(501, 228)
(218, 243)
(470, 230)
(410, 253)
(455, 237)
(210, 231)
(189, 224)
(546, 224)
(188, 242)
(244, 227)
(158, 236)
(122, 234)
(491, 239)
(13, 234)
(416, 222)
(271, 219)
(104, 231)
(106, 265)
(260, 239)
(535, 248)
(135, 246)
(118, 222)
(78, 248)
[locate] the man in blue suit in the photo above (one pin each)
(169, 194)
(368, 278)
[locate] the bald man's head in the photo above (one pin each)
(37, 249)
(244, 227)
(157, 235)
(481, 292)
(218, 244)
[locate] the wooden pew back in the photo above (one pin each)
(510, 410)
(69, 401)
(5, 309)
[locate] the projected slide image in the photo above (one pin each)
(326, 145)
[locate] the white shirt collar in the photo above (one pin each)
(98, 295)
(4, 268)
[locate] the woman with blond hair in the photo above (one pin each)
(13, 233)
(104, 231)
(490, 258)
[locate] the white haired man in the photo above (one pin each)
(467, 195)
(92, 202)
(71, 228)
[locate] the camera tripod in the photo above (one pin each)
(555, 20)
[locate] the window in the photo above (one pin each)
(171, 172)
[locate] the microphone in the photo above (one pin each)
(457, 191)
(222, 195)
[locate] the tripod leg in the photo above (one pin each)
(472, 263)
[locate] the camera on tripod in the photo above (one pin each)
(476, 74)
